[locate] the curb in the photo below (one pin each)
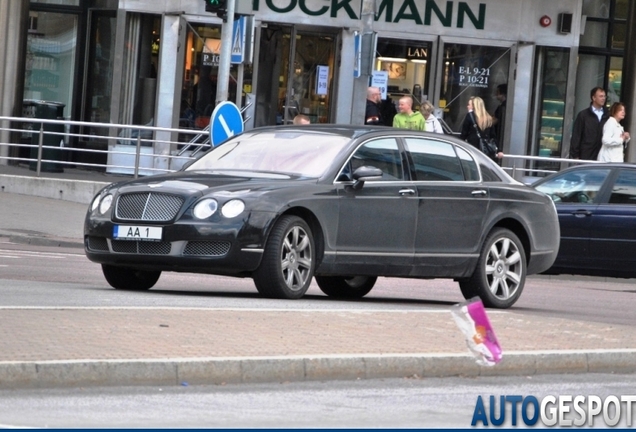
(42, 241)
(244, 370)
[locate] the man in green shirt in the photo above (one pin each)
(406, 118)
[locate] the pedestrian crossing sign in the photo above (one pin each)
(238, 41)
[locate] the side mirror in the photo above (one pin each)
(365, 173)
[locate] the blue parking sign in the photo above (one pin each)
(225, 122)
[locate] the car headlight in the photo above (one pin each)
(233, 208)
(205, 208)
(107, 201)
(95, 202)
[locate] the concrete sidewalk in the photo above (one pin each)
(51, 347)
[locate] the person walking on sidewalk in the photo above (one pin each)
(614, 136)
(406, 118)
(587, 131)
(431, 123)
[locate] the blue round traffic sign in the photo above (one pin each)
(225, 122)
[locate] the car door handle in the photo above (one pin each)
(582, 213)
(479, 193)
(407, 192)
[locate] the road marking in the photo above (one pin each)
(358, 311)
(40, 254)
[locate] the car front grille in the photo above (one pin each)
(207, 248)
(148, 206)
(141, 247)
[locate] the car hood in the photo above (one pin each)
(201, 183)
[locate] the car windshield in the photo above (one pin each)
(290, 152)
(580, 186)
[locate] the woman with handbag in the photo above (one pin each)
(478, 129)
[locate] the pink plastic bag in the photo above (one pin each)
(472, 320)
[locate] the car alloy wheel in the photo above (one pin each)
(343, 287)
(288, 260)
(130, 279)
(500, 274)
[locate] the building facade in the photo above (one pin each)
(153, 62)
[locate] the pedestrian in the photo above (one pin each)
(478, 123)
(614, 136)
(431, 123)
(373, 113)
(499, 118)
(301, 119)
(587, 132)
(406, 118)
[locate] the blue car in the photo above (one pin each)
(596, 204)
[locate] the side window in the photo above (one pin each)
(469, 166)
(383, 154)
(580, 186)
(434, 160)
(624, 190)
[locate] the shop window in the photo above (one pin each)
(50, 58)
(551, 82)
(596, 8)
(467, 71)
(141, 58)
(595, 34)
(405, 64)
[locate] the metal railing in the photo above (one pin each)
(146, 150)
(127, 149)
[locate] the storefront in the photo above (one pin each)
(143, 62)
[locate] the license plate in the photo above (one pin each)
(135, 232)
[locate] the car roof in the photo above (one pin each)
(584, 166)
(347, 130)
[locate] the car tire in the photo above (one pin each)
(341, 287)
(288, 263)
(129, 279)
(500, 274)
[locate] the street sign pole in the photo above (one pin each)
(223, 79)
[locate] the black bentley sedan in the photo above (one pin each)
(341, 204)
(596, 204)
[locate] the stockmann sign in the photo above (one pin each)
(449, 13)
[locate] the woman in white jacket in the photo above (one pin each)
(614, 136)
(432, 124)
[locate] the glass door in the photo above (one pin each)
(309, 80)
(296, 75)
(471, 70)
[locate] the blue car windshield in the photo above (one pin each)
(288, 152)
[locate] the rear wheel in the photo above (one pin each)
(129, 279)
(288, 260)
(342, 287)
(500, 274)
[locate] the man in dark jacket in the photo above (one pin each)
(587, 132)
(373, 115)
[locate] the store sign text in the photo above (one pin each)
(473, 76)
(390, 11)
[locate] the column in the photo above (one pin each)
(14, 17)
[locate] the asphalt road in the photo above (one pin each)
(389, 403)
(47, 276)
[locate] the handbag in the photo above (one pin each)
(488, 146)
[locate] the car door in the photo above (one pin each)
(452, 204)
(575, 194)
(613, 229)
(376, 225)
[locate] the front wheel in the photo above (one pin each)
(353, 287)
(129, 279)
(288, 260)
(500, 274)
